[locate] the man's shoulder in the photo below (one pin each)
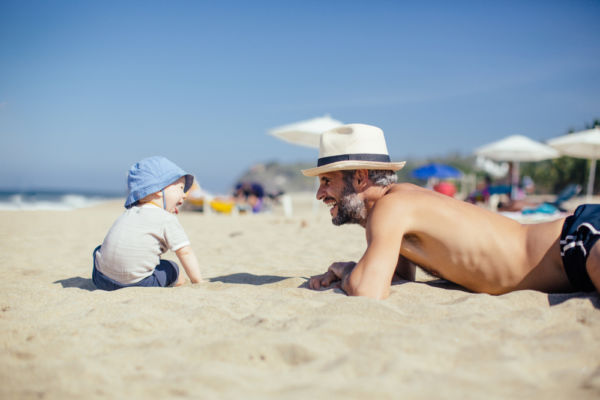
(399, 199)
(403, 194)
(404, 199)
(404, 188)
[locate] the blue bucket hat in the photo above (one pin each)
(152, 175)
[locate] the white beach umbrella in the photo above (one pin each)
(496, 170)
(305, 133)
(517, 148)
(584, 144)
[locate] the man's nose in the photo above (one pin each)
(320, 193)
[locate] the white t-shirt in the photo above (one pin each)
(133, 245)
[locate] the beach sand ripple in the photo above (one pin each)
(254, 330)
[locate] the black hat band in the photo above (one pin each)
(353, 157)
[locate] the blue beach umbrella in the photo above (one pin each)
(440, 171)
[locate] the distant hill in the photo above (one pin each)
(276, 176)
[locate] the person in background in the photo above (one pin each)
(249, 196)
(446, 188)
(481, 194)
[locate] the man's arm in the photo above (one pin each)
(338, 271)
(372, 275)
(188, 259)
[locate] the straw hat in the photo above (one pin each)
(353, 146)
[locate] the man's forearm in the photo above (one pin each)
(345, 280)
(354, 284)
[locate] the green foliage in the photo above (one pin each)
(594, 123)
(551, 176)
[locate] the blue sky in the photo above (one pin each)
(89, 87)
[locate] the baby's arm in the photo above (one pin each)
(188, 259)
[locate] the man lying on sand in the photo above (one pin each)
(407, 226)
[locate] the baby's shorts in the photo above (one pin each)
(580, 232)
(165, 274)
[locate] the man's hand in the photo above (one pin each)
(334, 275)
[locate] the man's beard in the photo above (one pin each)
(350, 208)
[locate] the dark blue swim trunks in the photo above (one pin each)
(580, 232)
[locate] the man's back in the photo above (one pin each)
(466, 244)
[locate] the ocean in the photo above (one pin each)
(51, 200)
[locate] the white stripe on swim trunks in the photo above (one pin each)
(567, 239)
(573, 244)
(590, 227)
(568, 245)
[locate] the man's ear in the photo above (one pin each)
(361, 179)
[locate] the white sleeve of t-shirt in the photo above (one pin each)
(175, 236)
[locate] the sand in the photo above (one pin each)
(255, 331)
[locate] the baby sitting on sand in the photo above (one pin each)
(130, 253)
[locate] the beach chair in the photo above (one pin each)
(552, 207)
(566, 194)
